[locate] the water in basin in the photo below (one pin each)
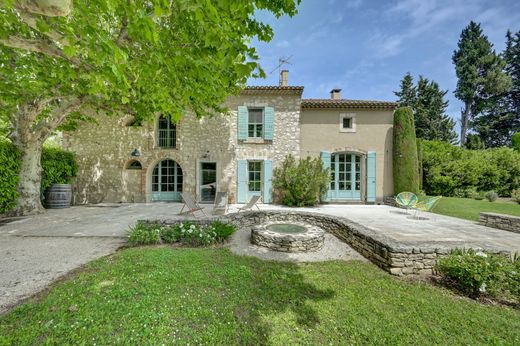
(286, 228)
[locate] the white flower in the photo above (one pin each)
(192, 226)
(190, 230)
(481, 254)
(483, 287)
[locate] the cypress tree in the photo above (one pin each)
(405, 161)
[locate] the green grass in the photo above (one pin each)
(163, 295)
(469, 209)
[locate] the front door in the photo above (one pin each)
(208, 181)
(167, 181)
(345, 170)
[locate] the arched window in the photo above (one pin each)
(167, 133)
(134, 165)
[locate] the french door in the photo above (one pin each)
(167, 181)
(345, 174)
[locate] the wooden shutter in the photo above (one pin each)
(371, 176)
(268, 123)
(242, 122)
(242, 181)
(268, 182)
(325, 158)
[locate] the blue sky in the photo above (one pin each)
(365, 47)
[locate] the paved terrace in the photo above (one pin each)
(37, 250)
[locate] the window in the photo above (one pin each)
(134, 165)
(347, 122)
(255, 122)
(254, 169)
(167, 133)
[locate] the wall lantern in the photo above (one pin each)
(136, 153)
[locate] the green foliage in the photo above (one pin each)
(479, 71)
(9, 167)
(475, 272)
(429, 106)
(515, 139)
(491, 196)
(515, 195)
(479, 196)
(58, 165)
(447, 167)
(188, 233)
(300, 183)
(405, 165)
(474, 142)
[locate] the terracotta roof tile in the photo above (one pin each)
(273, 88)
(345, 103)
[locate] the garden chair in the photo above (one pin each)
(406, 200)
(252, 203)
(425, 205)
(190, 203)
(221, 203)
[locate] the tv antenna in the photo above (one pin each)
(282, 61)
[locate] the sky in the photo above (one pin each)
(365, 47)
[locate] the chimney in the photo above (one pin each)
(284, 78)
(335, 94)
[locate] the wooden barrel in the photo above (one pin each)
(58, 196)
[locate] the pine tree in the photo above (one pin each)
(405, 160)
(408, 93)
(480, 74)
(429, 109)
(501, 115)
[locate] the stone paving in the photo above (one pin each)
(37, 250)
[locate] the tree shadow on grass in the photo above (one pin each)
(272, 289)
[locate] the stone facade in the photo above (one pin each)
(506, 222)
(103, 149)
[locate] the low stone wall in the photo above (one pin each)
(501, 221)
(393, 257)
(312, 239)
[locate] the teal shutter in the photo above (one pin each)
(242, 181)
(268, 123)
(268, 181)
(325, 158)
(371, 176)
(242, 122)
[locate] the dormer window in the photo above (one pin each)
(167, 135)
(347, 122)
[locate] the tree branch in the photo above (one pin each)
(38, 46)
(52, 34)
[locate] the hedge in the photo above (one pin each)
(447, 167)
(405, 164)
(58, 167)
(515, 140)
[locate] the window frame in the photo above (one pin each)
(255, 124)
(257, 179)
(352, 117)
(170, 132)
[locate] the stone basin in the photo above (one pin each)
(288, 236)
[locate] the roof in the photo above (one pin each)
(265, 89)
(345, 103)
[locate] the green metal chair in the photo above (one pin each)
(425, 205)
(406, 200)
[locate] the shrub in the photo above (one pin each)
(479, 195)
(188, 233)
(515, 141)
(300, 183)
(468, 192)
(143, 234)
(58, 167)
(491, 196)
(475, 273)
(447, 167)
(515, 195)
(405, 164)
(9, 167)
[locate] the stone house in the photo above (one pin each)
(237, 152)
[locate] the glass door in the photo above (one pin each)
(208, 181)
(345, 170)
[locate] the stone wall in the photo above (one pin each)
(103, 149)
(501, 221)
(393, 257)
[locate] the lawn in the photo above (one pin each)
(469, 209)
(210, 296)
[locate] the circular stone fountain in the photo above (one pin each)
(288, 236)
